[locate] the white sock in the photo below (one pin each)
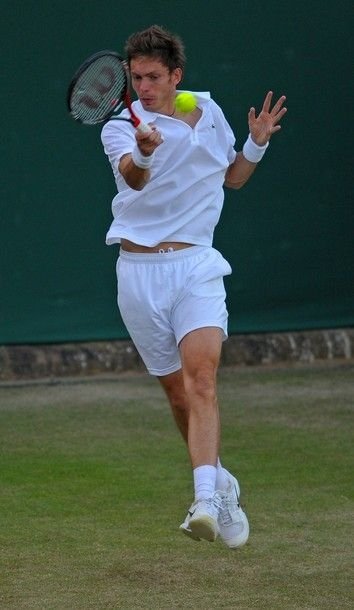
(204, 482)
(222, 479)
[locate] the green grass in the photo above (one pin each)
(95, 481)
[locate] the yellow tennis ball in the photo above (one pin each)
(185, 102)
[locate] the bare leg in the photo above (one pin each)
(173, 385)
(200, 354)
(191, 392)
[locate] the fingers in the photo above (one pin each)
(268, 116)
(148, 142)
(252, 114)
(267, 101)
(265, 124)
(277, 108)
(153, 136)
(279, 115)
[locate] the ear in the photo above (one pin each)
(177, 75)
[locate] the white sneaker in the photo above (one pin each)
(233, 523)
(185, 525)
(202, 519)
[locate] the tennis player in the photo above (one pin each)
(170, 278)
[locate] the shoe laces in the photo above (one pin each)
(217, 500)
(229, 510)
(213, 504)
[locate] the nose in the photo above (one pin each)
(144, 85)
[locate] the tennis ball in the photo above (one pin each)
(185, 102)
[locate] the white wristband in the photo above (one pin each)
(252, 152)
(140, 160)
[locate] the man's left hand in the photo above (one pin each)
(266, 123)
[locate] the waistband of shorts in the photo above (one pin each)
(163, 257)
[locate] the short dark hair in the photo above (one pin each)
(158, 43)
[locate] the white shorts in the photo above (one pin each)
(164, 296)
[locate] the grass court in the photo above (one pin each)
(95, 482)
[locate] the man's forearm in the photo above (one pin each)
(135, 177)
(239, 172)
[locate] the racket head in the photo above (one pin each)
(97, 88)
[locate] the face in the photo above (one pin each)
(154, 85)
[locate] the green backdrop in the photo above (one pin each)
(288, 234)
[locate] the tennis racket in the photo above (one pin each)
(99, 88)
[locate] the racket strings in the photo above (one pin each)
(98, 89)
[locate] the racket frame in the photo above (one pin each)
(125, 97)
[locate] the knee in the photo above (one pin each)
(201, 385)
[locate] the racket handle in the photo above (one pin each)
(144, 128)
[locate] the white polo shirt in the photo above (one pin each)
(183, 200)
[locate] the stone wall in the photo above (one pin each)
(22, 362)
